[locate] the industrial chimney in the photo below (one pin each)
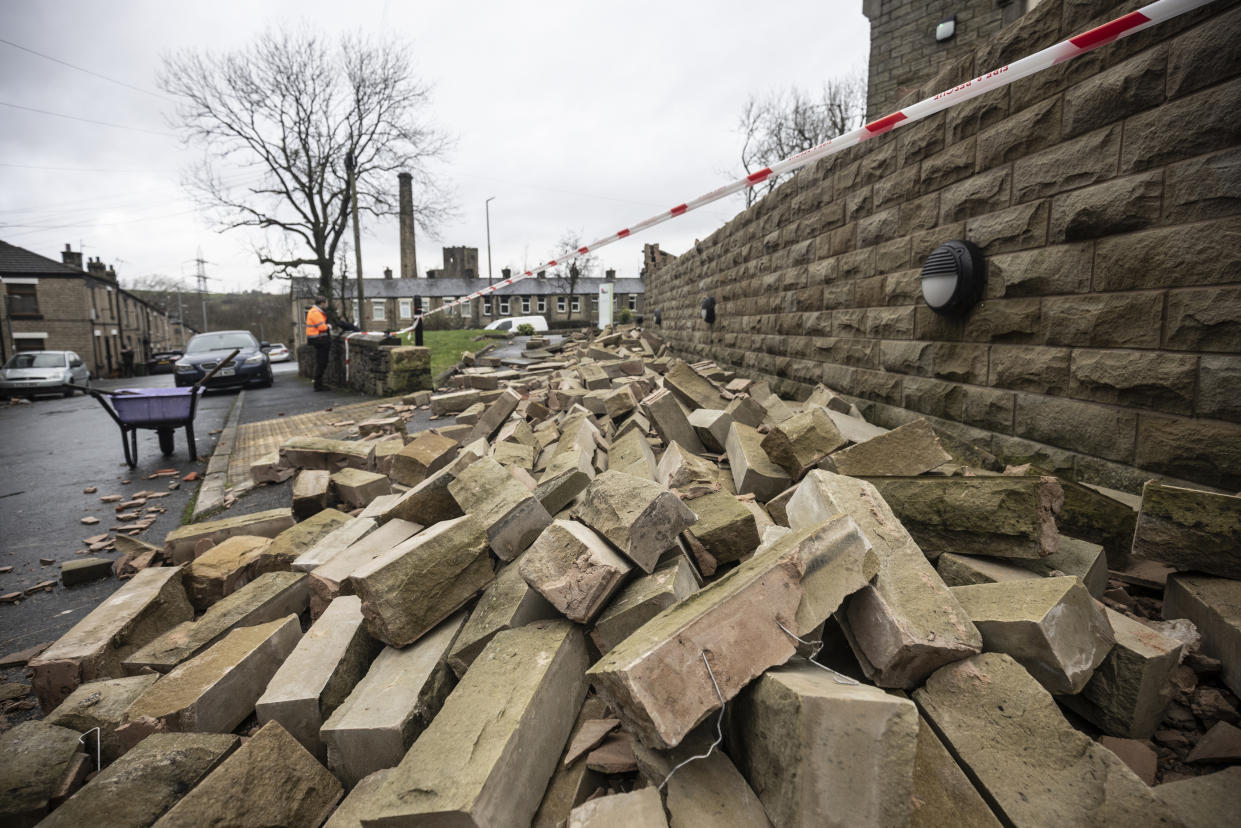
(409, 266)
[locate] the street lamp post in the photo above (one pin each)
(487, 207)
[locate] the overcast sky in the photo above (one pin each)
(575, 115)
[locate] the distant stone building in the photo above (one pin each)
(47, 305)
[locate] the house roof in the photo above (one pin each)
(456, 288)
(18, 261)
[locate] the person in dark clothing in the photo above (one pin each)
(319, 336)
(127, 361)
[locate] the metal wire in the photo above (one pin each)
(719, 726)
(839, 678)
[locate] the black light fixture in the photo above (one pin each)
(708, 310)
(953, 278)
(659, 317)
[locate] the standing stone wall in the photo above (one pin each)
(375, 366)
(1106, 195)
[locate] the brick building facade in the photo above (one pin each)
(59, 306)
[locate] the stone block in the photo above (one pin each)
(144, 608)
(1003, 517)
(1017, 228)
(329, 579)
(408, 590)
(454, 402)
(270, 780)
(1068, 165)
(216, 690)
(1034, 766)
(1189, 529)
(656, 677)
(679, 469)
(1056, 269)
(289, 545)
(393, 703)
(34, 759)
(641, 600)
(141, 786)
(854, 428)
(631, 453)
(426, 454)
(962, 570)
(356, 488)
(726, 529)
(1141, 379)
(514, 455)
(640, 517)
(324, 667)
(574, 569)
(329, 455)
(1214, 605)
(511, 515)
(310, 492)
(101, 704)
(909, 450)
(942, 793)
(641, 808)
(385, 450)
(752, 470)
(794, 725)
(711, 427)
(1191, 449)
(85, 570)
(1203, 801)
(180, 544)
(747, 411)
(269, 469)
(266, 598)
(518, 702)
(342, 537)
(801, 441)
(430, 501)
(666, 416)
(1080, 558)
(837, 561)
(1120, 206)
(506, 603)
(497, 411)
(1051, 626)
(223, 569)
(1149, 144)
(620, 402)
(907, 623)
(351, 809)
(707, 791)
(1129, 690)
(692, 389)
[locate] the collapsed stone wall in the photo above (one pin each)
(376, 366)
(1106, 195)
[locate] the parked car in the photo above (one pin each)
(42, 372)
(278, 353)
(161, 362)
(204, 351)
(512, 323)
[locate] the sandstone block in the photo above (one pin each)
(631, 453)
(34, 758)
(666, 415)
(1035, 767)
(794, 726)
(1006, 517)
(351, 809)
(753, 471)
(506, 603)
(511, 515)
(854, 428)
(963, 570)
(656, 678)
(270, 780)
(266, 598)
(567, 475)
(1073, 557)
(641, 808)
(356, 488)
(423, 456)
(1189, 529)
(393, 703)
(641, 600)
(523, 692)
(342, 537)
(801, 441)
(286, 547)
(747, 411)
(328, 662)
(1051, 626)
(620, 402)
(639, 517)
(726, 529)
(331, 455)
(909, 450)
(269, 469)
(385, 450)
(837, 561)
(1203, 801)
(686, 472)
(310, 492)
(216, 690)
(707, 791)
(496, 412)
(943, 794)
(1214, 605)
(223, 569)
(179, 544)
(692, 389)
(574, 569)
(1129, 690)
(907, 623)
(146, 606)
(408, 590)
(141, 786)
(101, 704)
(711, 426)
(85, 570)
(452, 403)
(512, 455)
(329, 579)
(430, 501)
(573, 781)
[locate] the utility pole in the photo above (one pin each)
(357, 233)
(180, 316)
(201, 273)
(487, 207)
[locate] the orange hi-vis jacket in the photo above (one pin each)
(316, 322)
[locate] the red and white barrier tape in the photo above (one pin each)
(1135, 21)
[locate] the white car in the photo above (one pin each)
(512, 323)
(42, 372)
(278, 353)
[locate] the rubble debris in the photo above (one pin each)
(752, 470)
(1222, 743)
(101, 704)
(640, 517)
(1189, 529)
(310, 492)
(34, 759)
(180, 544)
(84, 570)
(1214, 606)
(506, 603)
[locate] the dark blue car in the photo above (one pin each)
(205, 351)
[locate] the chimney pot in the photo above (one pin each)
(387, 273)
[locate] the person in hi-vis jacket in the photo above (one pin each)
(319, 335)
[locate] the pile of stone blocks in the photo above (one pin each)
(540, 613)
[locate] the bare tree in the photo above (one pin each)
(782, 124)
(571, 265)
(288, 109)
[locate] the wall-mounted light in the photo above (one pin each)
(946, 29)
(659, 317)
(953, 278)
(708, 310)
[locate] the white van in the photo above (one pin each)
(512, 323)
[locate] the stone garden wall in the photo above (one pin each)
(376, 368)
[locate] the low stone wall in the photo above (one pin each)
(378, 365)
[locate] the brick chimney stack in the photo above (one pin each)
(387, 273)
(71, 257)
(409, 264)
(95, 267)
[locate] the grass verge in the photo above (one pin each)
(446, 347)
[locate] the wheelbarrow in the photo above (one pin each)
(162, 410)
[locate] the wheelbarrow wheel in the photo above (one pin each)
(165, 441)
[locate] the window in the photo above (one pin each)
(487, 307)
(356, 316)
(594, 302)
(560, 304)
(633, 301)
(405, 307)
(377, 310)
(577, 303)
(541, 304)
(504, 306)
(525, 304)
(23, 299)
